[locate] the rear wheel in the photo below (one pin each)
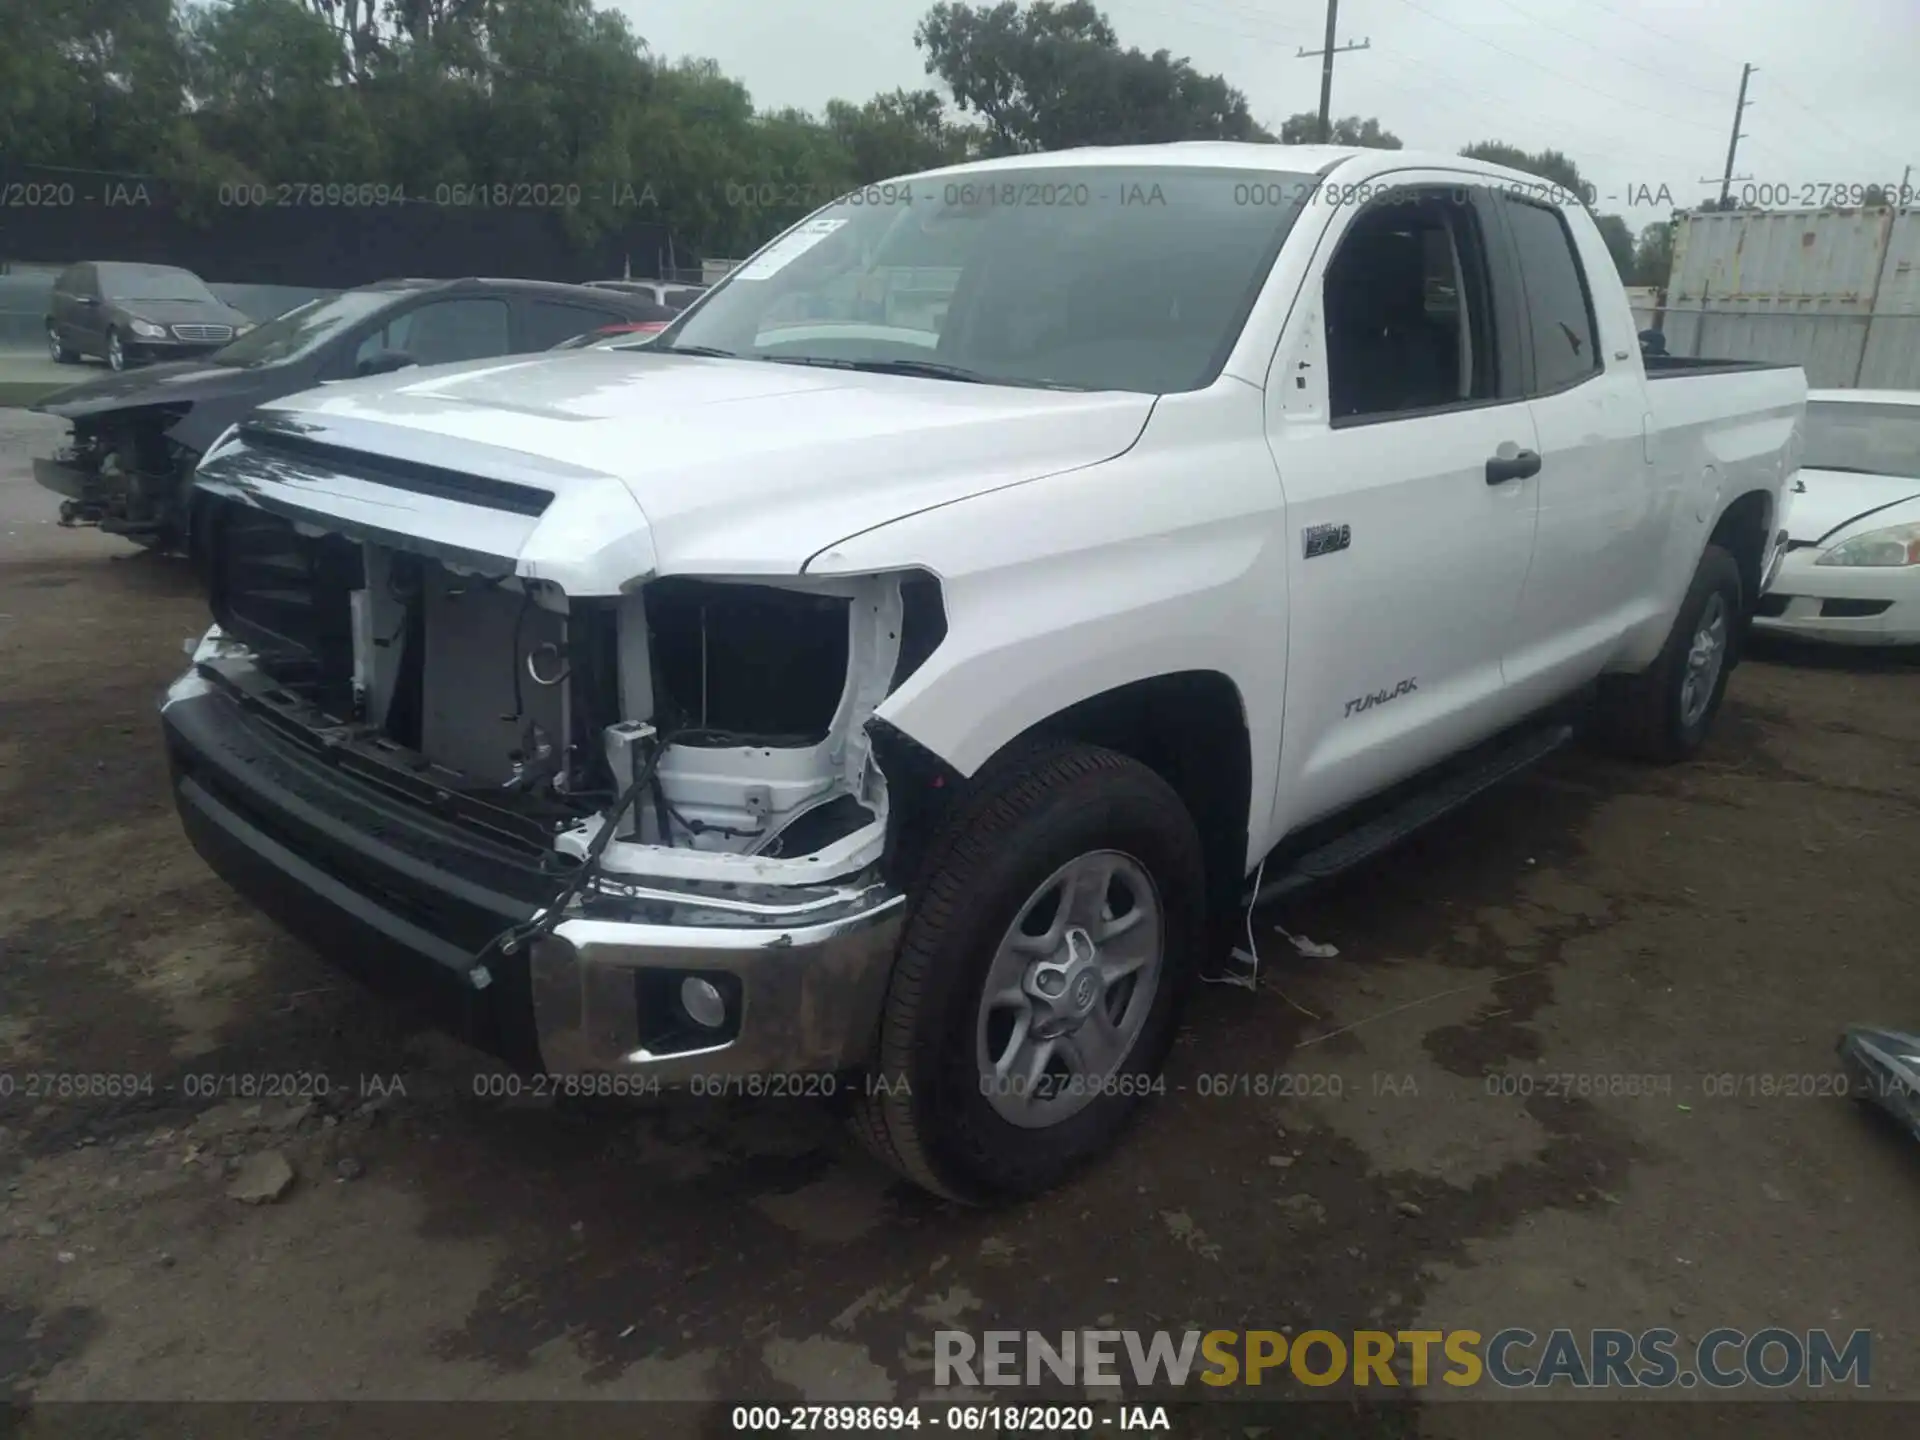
(1663, 714)
(116, 351)
(1039, 978)
(55, 348)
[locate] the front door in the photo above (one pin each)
(1393, 389)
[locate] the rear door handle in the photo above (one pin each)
(1518, 466)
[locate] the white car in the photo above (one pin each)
(1851, 574)
(792, 706)
(661, 292)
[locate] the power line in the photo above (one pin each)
(1546, 24)
(1804, 109)
(1424, 68)
(1785, 93)
(1558, 75)
(1504, 119)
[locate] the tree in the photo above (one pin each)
(898, 134)
(265, 78)
(92, 84)
(1619, 240)
(1549, 165)
(1653, 255)
(1304, 129)
(1053, 76)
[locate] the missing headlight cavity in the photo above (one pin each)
(761, 664)
(923, 625)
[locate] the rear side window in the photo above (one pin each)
(549, 323)
(1566, 348)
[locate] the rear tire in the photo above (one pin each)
(1664, 713)
(57, 348)
(116, 351)
(1064, 838)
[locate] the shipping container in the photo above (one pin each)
(1834, 291)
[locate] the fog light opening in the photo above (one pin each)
(703, 1002)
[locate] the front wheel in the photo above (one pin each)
(1663, 713)
(1040, 975)
(116, 351)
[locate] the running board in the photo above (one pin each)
(1419, 809)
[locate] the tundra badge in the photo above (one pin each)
(1325, 539)
(1380, 697)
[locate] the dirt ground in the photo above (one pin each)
(1708, 928)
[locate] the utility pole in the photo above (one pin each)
(1325, 130)
(1739, 109)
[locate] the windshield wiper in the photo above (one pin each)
(707, 352)
(1851, 470)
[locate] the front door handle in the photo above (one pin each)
(1519, 466)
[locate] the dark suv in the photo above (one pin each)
(125, 313)
(128, 464)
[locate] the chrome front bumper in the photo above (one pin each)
(409, 902)
(808, 975)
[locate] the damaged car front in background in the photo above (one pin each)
(636, 821)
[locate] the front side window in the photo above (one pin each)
(1566, 346)
(1407, 309)
(1080, 277)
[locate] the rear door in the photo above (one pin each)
(86, 314)
(61, 305)
(1599, 539)
(1396, 383)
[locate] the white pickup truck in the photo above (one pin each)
(859, 689)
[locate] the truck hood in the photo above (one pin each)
(173, 383)
(737, 467)
(1834, 499)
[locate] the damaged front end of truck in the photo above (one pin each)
(455, 728)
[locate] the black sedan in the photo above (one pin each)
(124, 313)
(137, 436)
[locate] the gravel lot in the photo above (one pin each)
(1591, 920)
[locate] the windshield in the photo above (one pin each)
(153, 282)
(1084, 277)
(304, 328)
(1874, 439)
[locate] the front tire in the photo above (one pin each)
(116, 351)
(1040, 975)
(1663, 714)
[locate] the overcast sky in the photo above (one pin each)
(1638, 92)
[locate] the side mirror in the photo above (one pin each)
(384, 363)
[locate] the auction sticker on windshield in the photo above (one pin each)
(789, 248)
